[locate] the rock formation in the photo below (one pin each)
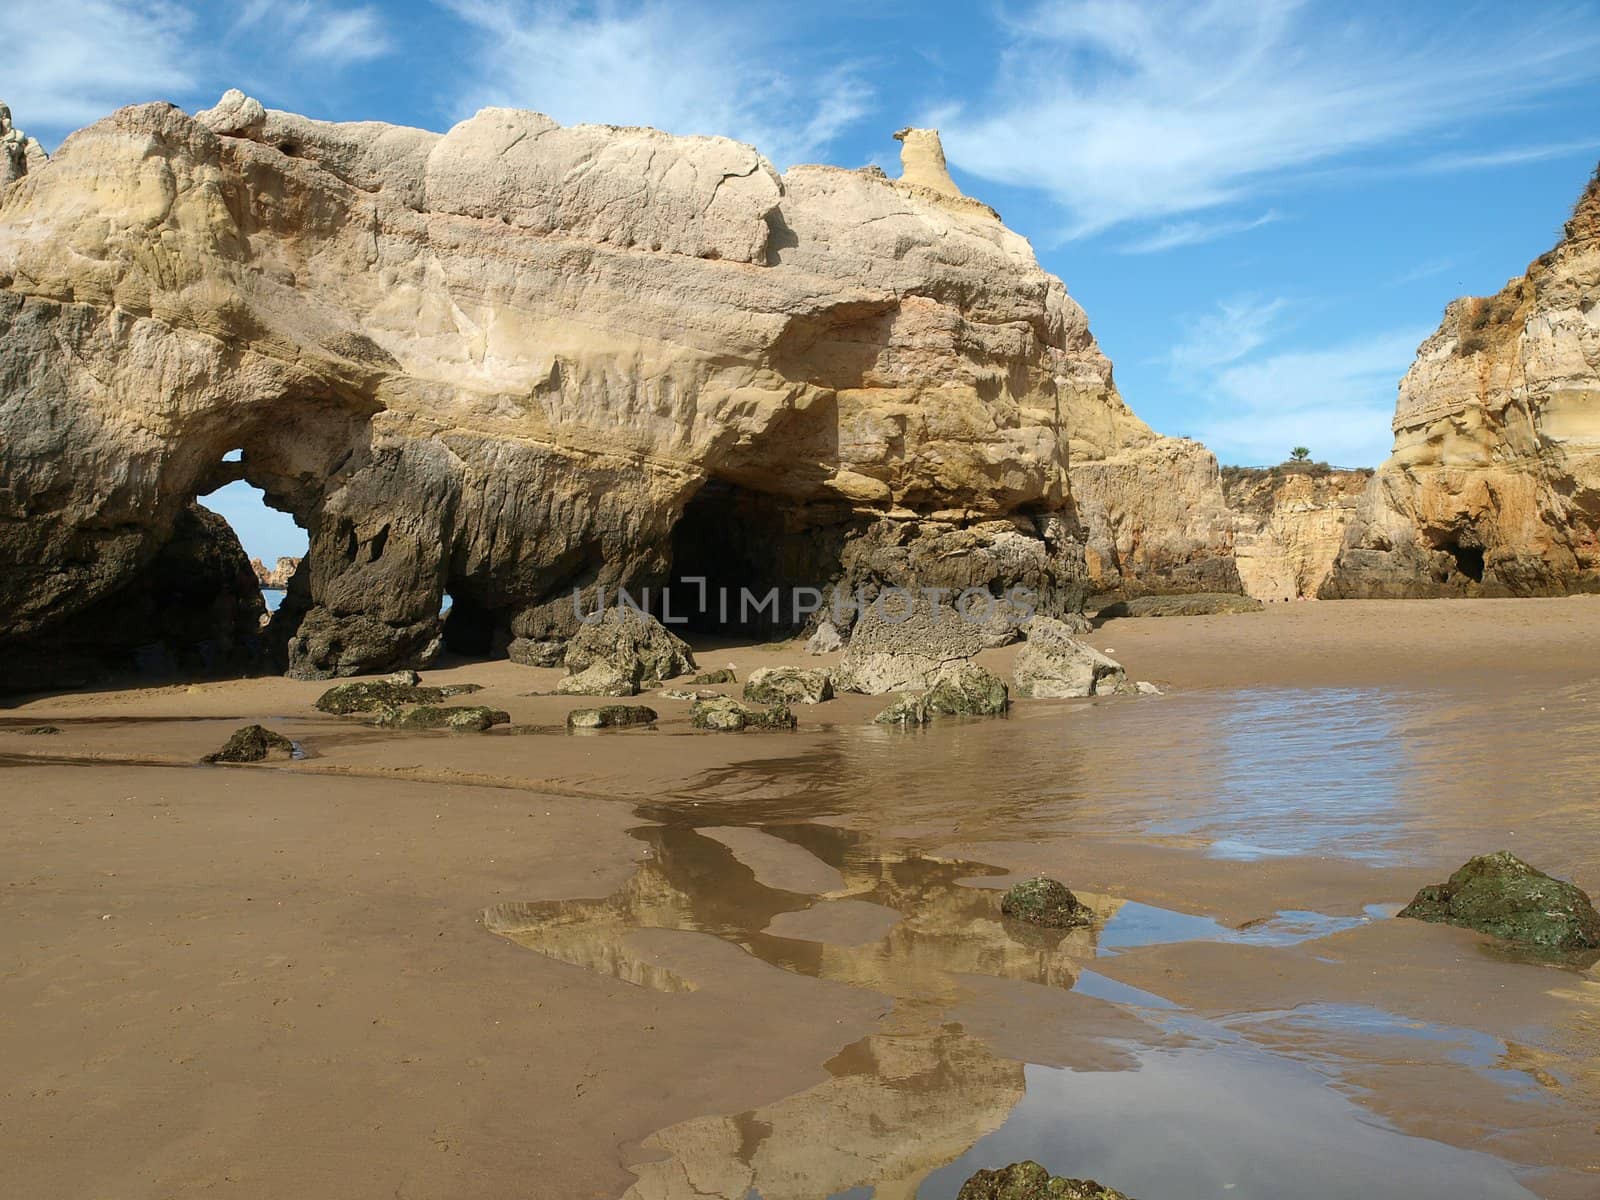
(1493, 488)
(19, 153)
(517, 360)
(1289, 525)
(276, 578)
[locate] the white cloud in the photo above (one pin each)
(70, 62)
(1337, 400)
(1234, 330)
(1194, 233)
(1126, 111)
(680, 67)
(317, 32)
(1508, 157)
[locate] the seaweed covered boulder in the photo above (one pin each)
(1045, 901)
(726, 715)
(1501, 895)
(253, 743)
(464, 718)
(908, 711)
(372, 695)
(611, 716)
(1194, 604)
(967, 690)
(788, 685)
(1027, 1180)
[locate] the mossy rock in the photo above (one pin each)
(1501, 895)
(967, 690)
(715, 677)
(788, 685)
(611, 716)
(1027, 1180)
(252, 744)
(911, 709)
(466, 718)
(365, 696)
(1044, 901)
(1189, 604)
(726, 715)
(42, 730)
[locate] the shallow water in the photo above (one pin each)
(1187, 1106)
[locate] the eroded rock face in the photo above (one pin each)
(1289, 525)
(20, 153)
(1054, 665)
(1493, 488)
(476, 363)
(620, 652)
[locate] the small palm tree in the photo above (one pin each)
(1300, 454)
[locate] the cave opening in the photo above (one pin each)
(751, 564)
(271, 539)
(1469, 560)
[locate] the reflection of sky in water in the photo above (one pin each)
(1300, 772)
(1135, 924)
(1231, 1122)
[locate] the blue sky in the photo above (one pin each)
(1263, 204)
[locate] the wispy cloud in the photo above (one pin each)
(1127, 111)
(69, 62)
(316, 32)
(685, 68)
(1252, 407)
(1423, 270)
(1195, 233)
(1508, 157)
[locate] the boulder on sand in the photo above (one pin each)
(1191, 604)
(1499, 894)
(1027, 1180)
(825, 640)
(967, 690)
(621, 652)
(363, 696)
(726, 715)
(899, 645)
(533, 652)
(252, 744)
(1054, 665)
(910, 709)
(1044, 901)
(465, 718)
(611, 716)
(788, 685)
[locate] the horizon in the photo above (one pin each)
(1264, 208)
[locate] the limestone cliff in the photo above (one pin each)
(501, 362)
(1493, 487)
(1153, 513)
(1289, 525)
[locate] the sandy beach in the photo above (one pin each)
(667, 963)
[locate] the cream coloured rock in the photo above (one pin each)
(19, 153)
(1493, 487)
(1289, 525)
(504, 361)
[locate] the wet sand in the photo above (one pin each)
(674, 964)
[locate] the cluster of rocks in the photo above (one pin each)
(1027, 1180)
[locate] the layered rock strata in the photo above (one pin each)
(1493, 487)
(1289, 525)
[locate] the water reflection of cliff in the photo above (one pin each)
(899, 1103)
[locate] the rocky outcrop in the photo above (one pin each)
(1189, 604)
(253, 743)
(621, 652)
(1493, 487)
(786, 685)
(1045, 901)
(275, 578)
(1152, 509)
(193, 611)
(19, 153)
(514, 361)
(1027, 1180)
(1289, 525)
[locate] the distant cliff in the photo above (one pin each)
(276, 577)
(1493, 487)
(1289, 524)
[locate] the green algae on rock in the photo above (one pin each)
(466, 718)
(1044, 901)
(788, 685)
(611, 716)
(371, 695)
(253, 743)
(910, 709)
(726, 715)
(967, 690)
(1027, 1180)
(721, 675)
(1501, 895)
